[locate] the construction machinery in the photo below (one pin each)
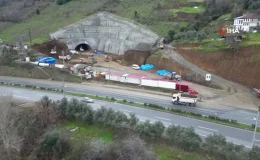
(90, 60)
(106, 59)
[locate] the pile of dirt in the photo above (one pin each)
(48, 46)
(38, 73)
(167, 64)
(136, 57)
(242, 67)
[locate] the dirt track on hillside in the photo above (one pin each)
(233, 94)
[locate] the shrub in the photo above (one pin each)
(151, 130)
(133, 120)
(113, 99)
(53, 146)
(183, 137)
(217, 146)
(124, 100)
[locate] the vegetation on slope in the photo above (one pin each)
(173, 19)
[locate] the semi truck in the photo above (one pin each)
(184, 99)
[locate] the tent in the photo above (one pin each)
(146, 67)
(163, 72)
(49, 60)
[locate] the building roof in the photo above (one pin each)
(249, 16)
(114, 74)
(135, 75)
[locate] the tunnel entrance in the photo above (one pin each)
(83, 47)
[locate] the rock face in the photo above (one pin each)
(109, 33)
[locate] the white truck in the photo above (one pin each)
(184, 99)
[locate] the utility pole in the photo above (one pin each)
(180, 81)
(63, 87)
(63, 59)
(30, 36)
(109, 72)
(255, 126)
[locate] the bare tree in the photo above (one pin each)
(7, 132)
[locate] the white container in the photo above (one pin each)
(35, 63)
(44, 64)
(59, 66)
(27, 59)
(208, 77)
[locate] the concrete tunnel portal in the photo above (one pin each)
(83, 47)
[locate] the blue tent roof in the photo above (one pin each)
(49, 60)
(146, 67)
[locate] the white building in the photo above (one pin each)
(247, 22)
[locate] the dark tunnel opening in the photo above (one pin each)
(83, 47)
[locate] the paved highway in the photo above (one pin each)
(242, 116)
(203, 128)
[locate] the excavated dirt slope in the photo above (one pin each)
(242, 67)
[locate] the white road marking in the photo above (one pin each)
(21, 97)
(248, 147)
(246, 113)
(142, 120)
(205, 110)
(125, 110)
(162, 118)
(80, 89)
(249, 119)
(208, 128)
(203, 135)
(17, 91)
(257, 140)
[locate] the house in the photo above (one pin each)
(247, 22)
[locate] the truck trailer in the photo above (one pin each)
(184, 99)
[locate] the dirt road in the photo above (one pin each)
(232, 94)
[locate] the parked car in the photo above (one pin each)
(135, 66)
(87, 100)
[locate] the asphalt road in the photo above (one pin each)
(241, 115)
(203, 128)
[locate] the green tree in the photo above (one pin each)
(201, 36)
(183, 137)
(53, 145)
(254, 154)
(62, 106)
(133, 120)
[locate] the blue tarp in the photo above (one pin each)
(48, 60)
(163, 72)
(97, 52)
(146, 67)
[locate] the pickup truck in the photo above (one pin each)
(184, 99)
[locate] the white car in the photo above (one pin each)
(88, 100)
(135, 66)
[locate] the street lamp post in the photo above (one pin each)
(255, 126)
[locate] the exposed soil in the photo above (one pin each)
(48, 46)
(242, 67)
(38, 73)
(136, 57)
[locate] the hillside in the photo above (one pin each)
(160, 15)
(180, 21)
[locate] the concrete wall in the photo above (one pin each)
(108, 33)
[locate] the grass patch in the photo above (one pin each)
(158, 54)
(171, 153)
(87, 132)
(188, 10)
